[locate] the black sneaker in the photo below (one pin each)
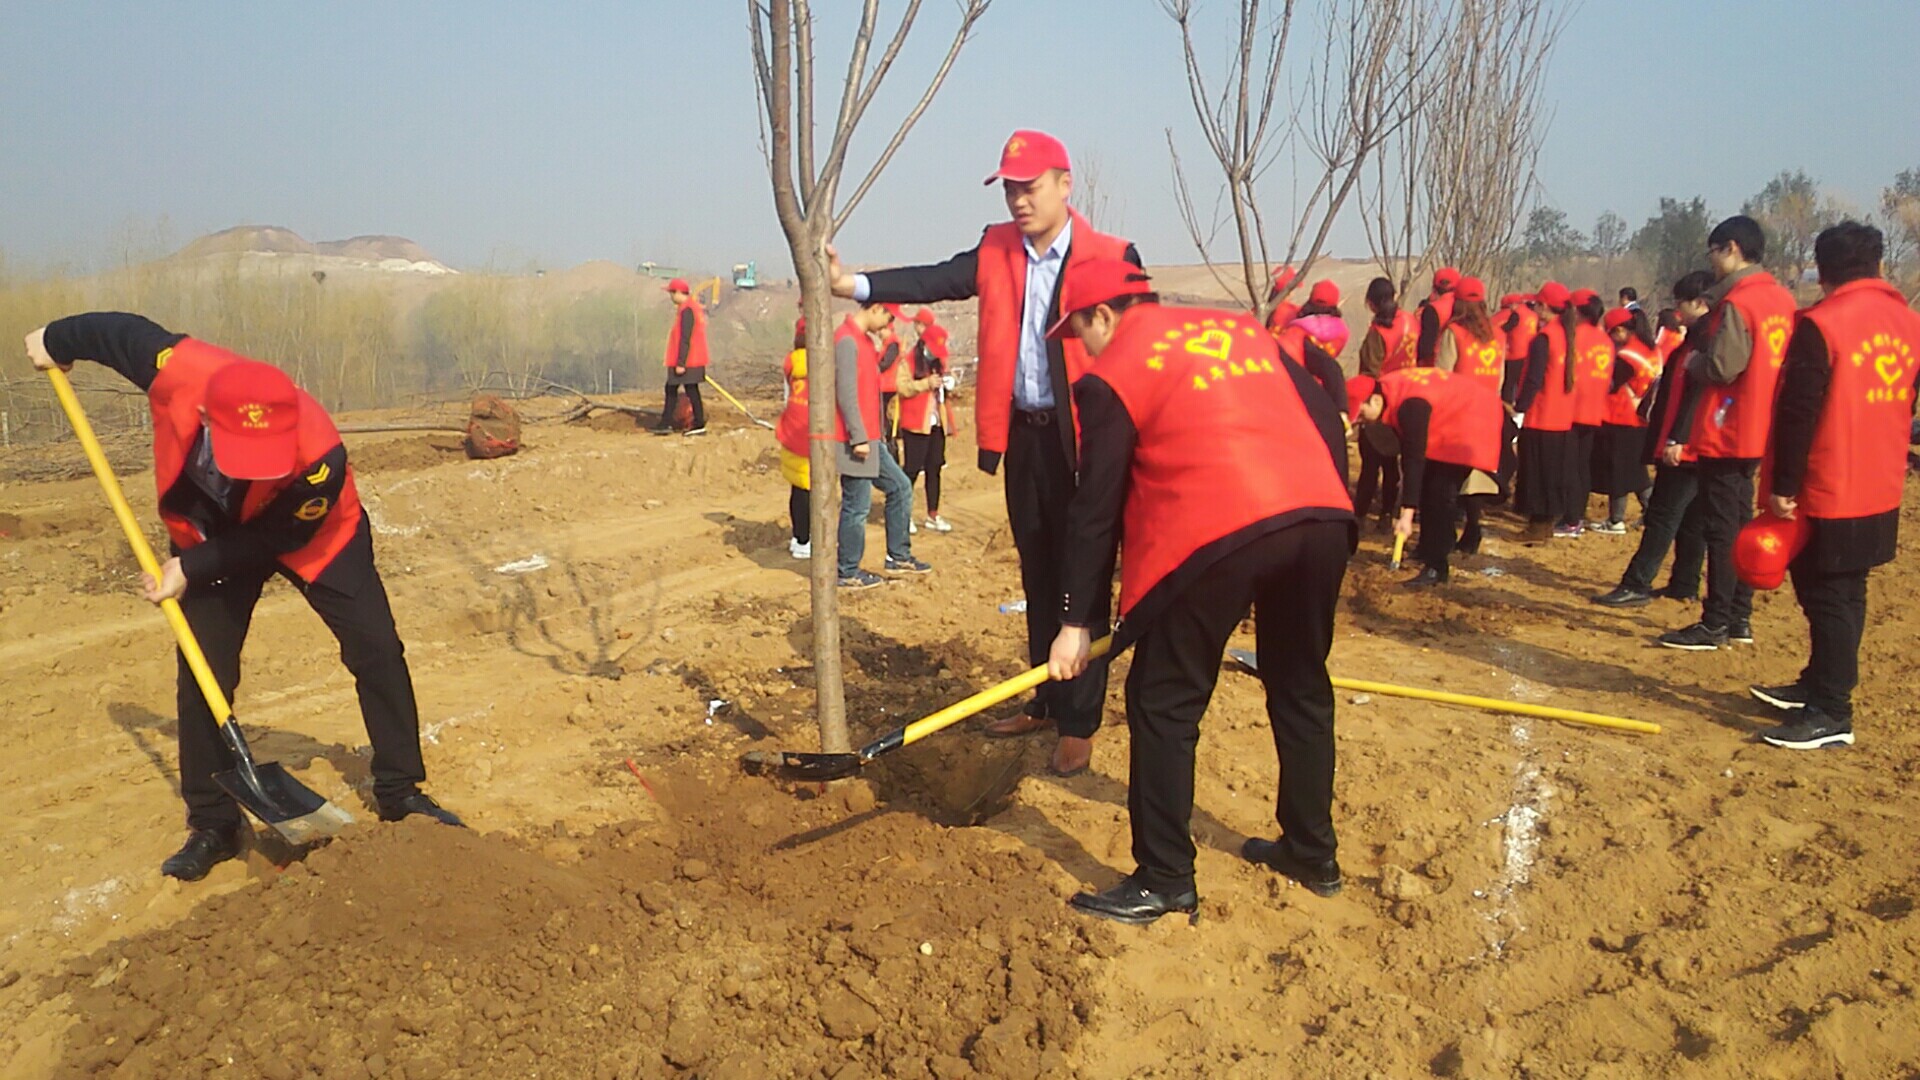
(1696, 638)
(1811, 730)
(1320, 879)
(862, 579)
(1740, 633)
(908, 565)
(1624, 596)
(421, 805)
(1788, 698)
(204, 850)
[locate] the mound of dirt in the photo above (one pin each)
(754, 935)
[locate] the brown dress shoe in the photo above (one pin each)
(1072, 755)
(1017, 724)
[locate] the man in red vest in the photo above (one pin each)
(686, 358)
(1726, 417)
(1024, 408)
(1838, 459)
(865, 460)
(253, 482)
(1222, 468)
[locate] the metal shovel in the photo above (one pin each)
(265, 789)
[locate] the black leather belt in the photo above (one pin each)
(1035, 417)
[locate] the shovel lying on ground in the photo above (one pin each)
(793, 765)
(737, 405)
(1251, 662)
(268, 792)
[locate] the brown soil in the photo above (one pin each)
(1524, 898)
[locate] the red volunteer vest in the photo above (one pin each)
(1525, 329)
(1669, 404)
(1857, 466)
(1465, 429)
(1552, 408)
(868, 369)
(1483, 361)
(916, 412)
(1281, 316)
(175, 397)
(792, 428)
(1734, 421)
(1225, 441)
(1623, 405)
(1442, 305)
(1000, 278)
(1402, 339)
(697, 352)
(890, 378)
(1592, 374)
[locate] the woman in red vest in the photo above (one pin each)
(1448, 426)
(1841, 427)
(1221, 467)
(686, 358)
(791, 431)
(892, 352)
(1387, 346)
(1619, 464)
(1543, 488)
(253, 482)
(1590, 368)
(1321, 321)
(925, 420)
(1469, 344)
(1435, 313)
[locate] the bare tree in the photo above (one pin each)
(806, 187)
(1357, 95)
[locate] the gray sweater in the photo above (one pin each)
(846, 395)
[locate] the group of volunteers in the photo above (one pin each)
(1209, 444)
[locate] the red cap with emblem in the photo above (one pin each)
(1028, 154)
(1445, 278)
(679, 285)
(253, 419)
(1325, 292)
(1096, 282)
(1553, 294)
(1617, 318)
(1470, 290)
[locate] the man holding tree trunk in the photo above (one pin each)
(1025, 404)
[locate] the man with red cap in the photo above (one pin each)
(253, 482)
(686, 358)
(1024, 409)
(1838, 460)
(1436, 311)
(1222, 469)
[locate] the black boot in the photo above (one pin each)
(1134, 903)
(422, 805)
(204, 850)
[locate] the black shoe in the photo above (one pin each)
(204, 850)
(1425, 579)
(1320, 879)
(1469, 544)
(1133, 903)
(1811, 730)
(908, 565)
(1740, 633)
(1671, 593)
(422, 805)
(1624, 596)
(1787, 698)
(1696, 638)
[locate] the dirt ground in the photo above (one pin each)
(1524, 898)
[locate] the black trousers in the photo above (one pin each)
(1673, 521)
(1439, 501)
(362, 622)
(927, 454)
(1291, 579)
(1377, 472)
(1836, 609)
(1726, 498)
(673, 402)
(1040, 483)
(801, 512)
(1579, 467)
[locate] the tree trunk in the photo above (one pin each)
(823, 500)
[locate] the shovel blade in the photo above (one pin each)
(814, 767)
(292, 809)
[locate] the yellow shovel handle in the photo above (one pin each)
(1515, 708)
(189, 647)
(987, 699)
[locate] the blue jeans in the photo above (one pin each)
(856, 501)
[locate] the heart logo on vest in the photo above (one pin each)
(1888, 367)
(1214, 345)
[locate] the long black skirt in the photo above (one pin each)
(1619, 461)
(1544, 487)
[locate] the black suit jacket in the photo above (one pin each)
(957, 279)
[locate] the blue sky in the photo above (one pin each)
(552, 134)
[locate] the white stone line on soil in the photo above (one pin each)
(83, 901)
(1520, 823)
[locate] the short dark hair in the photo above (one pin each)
(1743, 231)
(1692, 286)
(1630, 294)
(1669, 319)
(1122, 303)
(1847, 252)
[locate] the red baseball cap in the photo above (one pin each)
(895, 311)
(1617, 318)
(1512, 298)
(1553, 294)
(1445, 278)
(1581, 297)
(1283, 276)
(1766, 546)
(679, 285)
(925, 316)
(1096, 282)
(1471, 289)
(253, 420)
(1325, 292)
(1029, 154)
